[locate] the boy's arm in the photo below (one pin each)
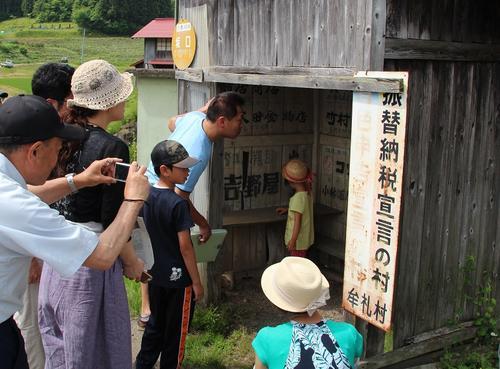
(198, 219)
(187, 252)
(297, 222)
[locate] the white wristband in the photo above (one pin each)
(71, 182)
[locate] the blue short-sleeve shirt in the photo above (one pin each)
(189, 133)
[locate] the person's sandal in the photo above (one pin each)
(142, 321)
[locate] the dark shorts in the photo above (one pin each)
(12, 352)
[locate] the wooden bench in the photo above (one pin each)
(268, 215)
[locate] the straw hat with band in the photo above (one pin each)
(98, 85)
(296, 171)
(295, 284)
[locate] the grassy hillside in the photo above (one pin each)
(29, 44)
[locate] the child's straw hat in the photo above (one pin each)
(296, 171)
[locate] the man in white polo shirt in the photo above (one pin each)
(31, 136)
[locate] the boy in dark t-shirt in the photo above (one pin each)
(176, 283)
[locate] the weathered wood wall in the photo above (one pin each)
(281, 124)
(451, 204)
(451, 193)
(444, 20)
(321, 33)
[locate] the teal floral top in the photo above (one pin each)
(293, 345)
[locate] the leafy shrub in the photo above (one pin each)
(213, 319)
(478, 357)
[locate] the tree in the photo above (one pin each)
(27, 7)
(53, 10)
(10, 8)
(119, 16)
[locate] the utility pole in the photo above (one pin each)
(83, 45)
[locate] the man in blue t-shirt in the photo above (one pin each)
(221, 117)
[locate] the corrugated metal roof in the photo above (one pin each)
(157, 28)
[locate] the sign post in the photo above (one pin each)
(375, 188)
(184, 44)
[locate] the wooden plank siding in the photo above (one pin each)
(444, 20)
(451, 200)
(316, 33)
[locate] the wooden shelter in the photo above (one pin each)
(157, 36)
(295, 63)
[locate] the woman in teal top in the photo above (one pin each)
(308, 341)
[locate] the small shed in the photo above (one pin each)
(157, 36)
(295, 62)
(156, 86)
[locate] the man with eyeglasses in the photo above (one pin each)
(31, 135)
(52, 81)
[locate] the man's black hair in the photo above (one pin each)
(52, 80)
(225, 104)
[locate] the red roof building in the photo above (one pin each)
(157, 36)
(157, 28)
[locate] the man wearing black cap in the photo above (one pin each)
(31, 134)
(52, 81)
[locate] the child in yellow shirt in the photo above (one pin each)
(299, 232)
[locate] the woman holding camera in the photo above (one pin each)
(84, 320)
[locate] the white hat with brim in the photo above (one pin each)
(295, 284)
(98, 85)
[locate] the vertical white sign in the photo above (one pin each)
(375, 188)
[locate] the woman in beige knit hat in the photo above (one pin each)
(84, 320)
(307, 341)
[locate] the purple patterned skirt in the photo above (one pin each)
(84, 320)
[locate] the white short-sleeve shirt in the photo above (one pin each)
(29, 227)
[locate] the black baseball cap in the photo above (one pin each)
(171, 152)
(27, 118)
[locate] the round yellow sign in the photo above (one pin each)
(183, 44)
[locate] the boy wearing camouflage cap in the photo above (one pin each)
(176, 283)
